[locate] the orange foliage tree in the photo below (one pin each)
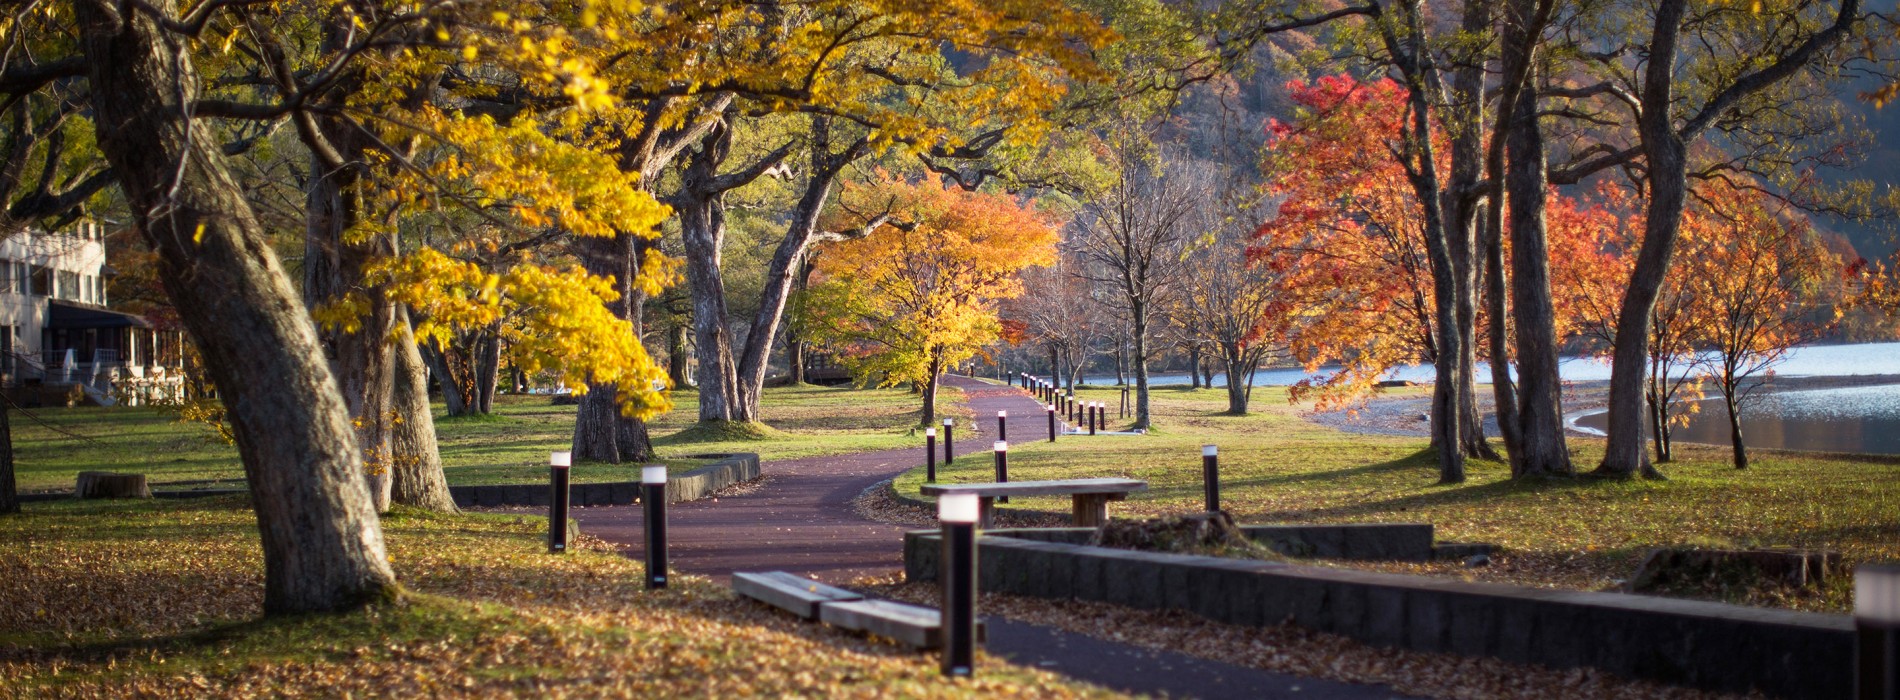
(1348, 236)
(921, 293)
(1766, 284)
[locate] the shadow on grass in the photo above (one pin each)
(1449, 495)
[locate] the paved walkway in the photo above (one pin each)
(802, 522)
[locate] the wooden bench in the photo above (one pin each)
(797, 595)
(913, 625)
(1091, 496)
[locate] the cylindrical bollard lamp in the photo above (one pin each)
(1002, 425)
(1210, 475)
(558, 464)
(956, 575)
(1124, 413)
(1091, 417)
(653, 497)
(930, 455)
(1877, 632)
(1002, 466)
(1051, 410)
(949, 455)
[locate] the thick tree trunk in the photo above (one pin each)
(702, 215)
(1121, 362)
(418, 478)
(1194, 368)
(323, 547)
(1238, 368)
(333, 269)
(1542, 450)
(1666, 167)
(601, 433)
(1207, 372)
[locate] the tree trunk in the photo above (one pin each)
(930, 391)
(1665, 169)
(1138, 312)
(323, 547)
(1735, 426)
(1121, 362)
(488, 368)
(787, 260)
(1542, 449)
(676, 357)
(9, 488)
(418, 479)
(452, 395)
(1236, 386)
(1464, 115)
(1497, 290)
(601, 433)
(1055, 364)
(1194, 368)
(1659, 421)
(702, 217)
(1207, 372)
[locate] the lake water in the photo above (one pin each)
(1849, 419)
(1863, 419)
(1812, 361)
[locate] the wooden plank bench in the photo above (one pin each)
(795, 594)
(912, 625)
(1091, 496)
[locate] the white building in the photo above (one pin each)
(55, 329)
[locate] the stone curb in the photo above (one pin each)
(1714, 646)
(691, 486)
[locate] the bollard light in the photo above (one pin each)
(1124, 413)
(949, 455)
(956, 576)
(1002, 425)
(1090, 410)
(653, 495)
(1001, 448)
(1051, 410)
(1210, 475)
(930, 455)
(558, 464)
(1877, 632)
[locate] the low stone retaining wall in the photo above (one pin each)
(1362, 541)
(1706, 645)
(186, 493)
(690, 486)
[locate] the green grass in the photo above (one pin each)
(52, 445)
(1278, 467)
(163, 599)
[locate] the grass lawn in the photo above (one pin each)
(161, 599)
(52, 445)
(1588, 534)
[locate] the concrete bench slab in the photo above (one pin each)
(795, 594)
(913, 625)
(1090, 496)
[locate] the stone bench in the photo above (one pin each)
(794, 594)
(912, 625)
(1090, 496)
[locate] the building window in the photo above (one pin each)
(68, 286)
(99, 289)
(6, 275)
(42, 281)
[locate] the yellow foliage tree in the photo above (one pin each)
(921, 292)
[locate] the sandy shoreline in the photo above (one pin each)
(1407, 415)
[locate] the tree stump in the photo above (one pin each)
(112, 485)
(1201, 533)
(1688, 568)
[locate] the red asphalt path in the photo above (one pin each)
(802, 521)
